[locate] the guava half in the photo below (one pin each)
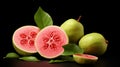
(85, 58)
(50, 40)
(23, 39)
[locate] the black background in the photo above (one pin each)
(97, 16)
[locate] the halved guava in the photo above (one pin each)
(85, 58)
(50, 40)
(23, 39)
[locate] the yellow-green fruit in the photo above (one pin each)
(23, 40)
(85, 58)
(74, 29)
(93, 43)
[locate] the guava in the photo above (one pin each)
(50, 40)
(23, 39)
(85, 58)
(93, 43)
(74, 29)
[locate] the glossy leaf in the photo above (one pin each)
(67, 58)
(56, 61)
(62, 59)
(29, 58)
(42, 18)
(11, 55)
(71, 49)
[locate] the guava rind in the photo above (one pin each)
(80, 59)
(19, 49)
(48, 52)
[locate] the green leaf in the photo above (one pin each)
(42, 18)
(11, 55)
(62, 59)
(67, 58)
(71, 49)
(56, 61)
(29, 58)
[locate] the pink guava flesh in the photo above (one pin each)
(87, 56)
(50, 40)
(23, 38)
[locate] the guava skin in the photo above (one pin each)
(74, 29)
(19, 51)
(93, 43)
(80, 59)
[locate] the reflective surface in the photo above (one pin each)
(108, 62)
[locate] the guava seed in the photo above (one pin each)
(33, 34)
(22, 35)
(31, 42)
(24, 41)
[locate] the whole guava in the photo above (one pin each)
(93, 43)
(74, 30)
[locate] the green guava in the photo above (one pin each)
(23, 39)
(50, 40)
(93, 43)
(85, 58)
(74, 30)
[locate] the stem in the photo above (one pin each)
(79, 18)
(107, 41)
